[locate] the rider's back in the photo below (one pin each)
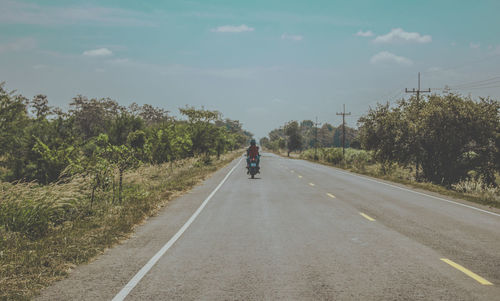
(253, 151)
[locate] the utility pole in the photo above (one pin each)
(417, 92)
(343, 130)
(316, 139)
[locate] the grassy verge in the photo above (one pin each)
(48, 230)
(401, 175)
(360, 162)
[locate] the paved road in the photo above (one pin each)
(302, 231)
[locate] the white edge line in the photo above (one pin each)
(145, 269)
(416, 192)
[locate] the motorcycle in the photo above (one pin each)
(253, 169)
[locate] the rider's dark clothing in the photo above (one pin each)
(253, 152)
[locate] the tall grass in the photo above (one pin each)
(45, 231)
(476, 187)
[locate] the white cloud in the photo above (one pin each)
(387, 57)
(398, 34)
(100, 70)
(18, 45)
(98, 52)
(292, 37)
(365, 34)
(474, 45)
(453, 44)
(233, 29)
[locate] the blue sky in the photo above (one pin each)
(261, 62)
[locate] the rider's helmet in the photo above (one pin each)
(252, 142)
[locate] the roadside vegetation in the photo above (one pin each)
(296, 136)
(74, 183)
(363, 162)
(448, 144)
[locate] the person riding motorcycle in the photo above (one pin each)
(253, 152)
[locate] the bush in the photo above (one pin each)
(30, 209)
(358, 158)
(333, 155)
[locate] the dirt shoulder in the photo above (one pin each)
(27, 265)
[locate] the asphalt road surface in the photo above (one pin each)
(301, 231)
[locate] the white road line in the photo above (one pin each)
(145, 269)
(420, 193)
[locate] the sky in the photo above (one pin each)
(261, 62)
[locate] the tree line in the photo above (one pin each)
(295, 136)
(97, 137)
(445, 139)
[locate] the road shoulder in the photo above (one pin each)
(107, 274)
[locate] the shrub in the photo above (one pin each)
(30, 209)
(353, 157)
(474, 186)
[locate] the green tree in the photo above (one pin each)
(294, 138)
(123, 158)
(40, 106)
(121, 126)
(264, 142)
(92, 116)
(381, 131)
(201, 124)
(94, 166)
(13, 120)
(448, 136)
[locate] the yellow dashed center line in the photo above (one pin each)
(300, 177)
(292, 171)
(467, 272)
(367, 217)
(330, 195)
(312, 184)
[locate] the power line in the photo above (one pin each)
(464, 64)
(394, 94)
(477, 85)
(496, 78)
(487, 83)
(476, 88)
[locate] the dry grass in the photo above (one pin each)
(75, 233)
(480, 194)
(472, 190)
